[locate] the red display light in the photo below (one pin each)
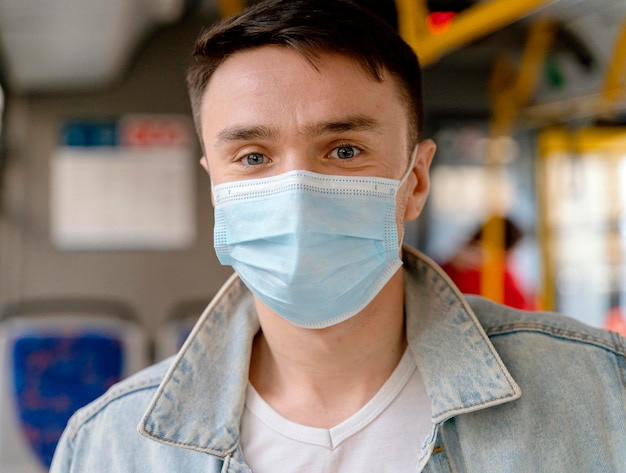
(438, 22)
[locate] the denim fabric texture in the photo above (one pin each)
(511, 391)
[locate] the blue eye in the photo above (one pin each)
(345, 152)
(253, 159)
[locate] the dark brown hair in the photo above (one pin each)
(311, 27)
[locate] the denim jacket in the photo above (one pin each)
(511, 391)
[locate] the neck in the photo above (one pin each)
(320, 377)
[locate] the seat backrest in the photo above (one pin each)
(173, 331)
(55, 357)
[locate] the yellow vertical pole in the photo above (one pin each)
(510, 90)
(494, 260)
(551, 141)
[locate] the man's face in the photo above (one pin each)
(268, 111)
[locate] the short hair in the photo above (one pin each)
(512, 233)
(311, 27)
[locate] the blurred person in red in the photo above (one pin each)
(466, 264)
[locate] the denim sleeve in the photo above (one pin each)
(63, 455)
(100, 435)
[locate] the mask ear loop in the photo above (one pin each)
(213, 200)
(407, 173)
(402, 181)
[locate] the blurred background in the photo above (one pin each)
(106, 254)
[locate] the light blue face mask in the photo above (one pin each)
(316, 249)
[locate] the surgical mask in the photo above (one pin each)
(314, 248)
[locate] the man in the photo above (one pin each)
(324, 352)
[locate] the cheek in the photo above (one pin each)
(400, 225)
(401, 205)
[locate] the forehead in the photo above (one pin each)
(284, 80)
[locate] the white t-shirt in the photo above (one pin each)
(385, 435)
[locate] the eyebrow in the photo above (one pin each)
(246, 133)
(343, 125)
(260, 132)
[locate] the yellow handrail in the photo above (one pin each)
(615, 79)
(510, 94)
(231, 7)
(470, 24)
(611, 99)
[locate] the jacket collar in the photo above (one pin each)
(200, 401)
(459, 365)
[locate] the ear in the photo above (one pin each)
(420, 180)
(204, 162)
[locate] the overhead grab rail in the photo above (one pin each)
(470, 24)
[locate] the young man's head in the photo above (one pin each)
(309, 114)
(311, 27)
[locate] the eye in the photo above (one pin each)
(253, 159)
(345, 152)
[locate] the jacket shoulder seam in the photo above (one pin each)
(615, 345)
(115, 393)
